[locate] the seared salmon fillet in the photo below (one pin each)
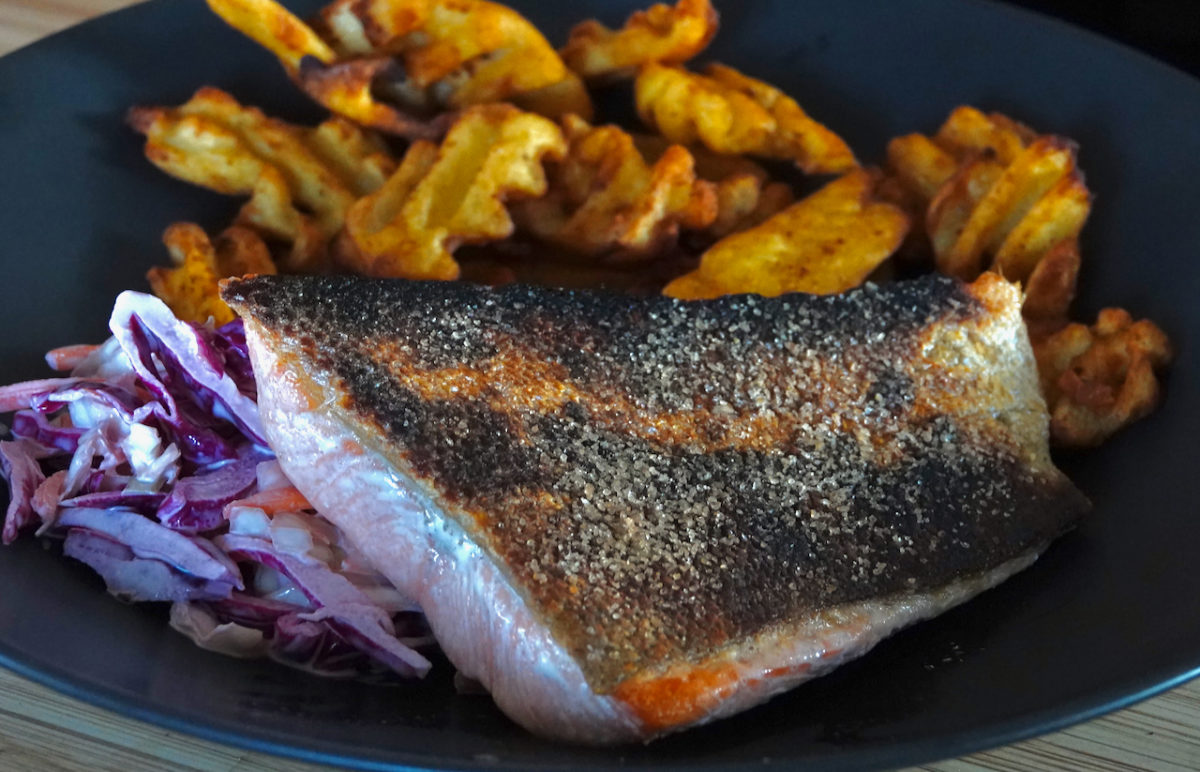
(629, 515)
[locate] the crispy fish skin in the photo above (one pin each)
(699, 504)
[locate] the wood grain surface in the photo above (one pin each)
(43, 730)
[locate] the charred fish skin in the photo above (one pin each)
(664, 482)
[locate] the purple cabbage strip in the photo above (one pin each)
(19, 462)
(176, 361)
(33, 425)
(196, 503)
(147, 539)
(134, 578)
(317, 647)
(19, 395)
(349, 611)
(142, 502)
(118, 398)
(251, 611)
(230, 340)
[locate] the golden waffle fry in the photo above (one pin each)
(993, 195)
(1056, 217)
(952, 207)
(1101, 378)
(469, 52)
(968, 132)
(661, 33)
(442, 197)
(1050, 289)
(343, 88)
(367, 27)
(828, 242)
(481, 52)
(190, 288)
(348, 89)
(1034, 173)
(300, 181)
(568, 96)
(728, 112)
(920, 165)
(276, 29)
(426, 56)
(604, 197)
(745, 194)
(744, 201)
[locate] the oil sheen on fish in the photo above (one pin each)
(629, 515)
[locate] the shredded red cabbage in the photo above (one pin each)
(139, 460)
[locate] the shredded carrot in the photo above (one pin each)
(69, 357)
(273, 501)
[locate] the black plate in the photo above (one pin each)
(1104, 619)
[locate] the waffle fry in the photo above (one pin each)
(190, 287)
(440, 198)
(300, 181)
(1101, 378)
(604, 197)
(728, 112)
(425, 56)
(826, 243)
(661, 33)
(994, 195)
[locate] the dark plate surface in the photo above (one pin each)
(1103, 619)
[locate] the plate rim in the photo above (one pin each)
(1134, 690)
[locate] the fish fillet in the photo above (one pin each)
(626, 516)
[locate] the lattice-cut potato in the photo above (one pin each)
(746, 195)
(1101, 378)
(443, 197)
(669, 34)
(300, 180)
(731, 113)
(1043, 176)
(826, 243)
(397, 65)
(190, 286)
(992, 194)
(604, 196)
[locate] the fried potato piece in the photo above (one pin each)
(1056, 217)
(920, 165)
(951, 209)
(826, 243)
(276, 29)
(300, 181)
(969, 132)
(604, 197)
(348, 89)
(728, 112)
(568, 96)
(190, 287)
(442, 197)
(1099, 379)
(1033, 174)
(661, 33)
(746, 196)
(344, 88)
(426, 56)
(469, 52)
(1050, 289)
(368, 27)
(746, 200)
(994, 194)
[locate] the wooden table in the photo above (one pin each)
(41, 729)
